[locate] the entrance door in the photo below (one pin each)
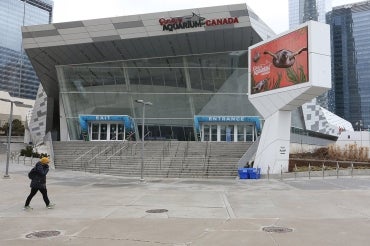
(228, 132)
(105, 131)
(209, 133)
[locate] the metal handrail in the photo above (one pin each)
(98, 154)
(86, 153)
(114, 154)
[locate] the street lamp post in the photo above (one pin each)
(18, 104)
(142, 138)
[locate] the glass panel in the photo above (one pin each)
(103, 131)
(240, 129)
(120, 131)
(206, 133)
(213, 132)
(249, 133)
(113, 131)
(153, 133)
(166, 132)
(95, 131)
(223, 133)
(230, 133)
(189, 134)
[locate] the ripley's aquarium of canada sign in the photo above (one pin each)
(193, 21)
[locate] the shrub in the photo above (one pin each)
(28, 152)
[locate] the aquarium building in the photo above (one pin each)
(190, 65)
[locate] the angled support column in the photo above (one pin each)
(273, 149)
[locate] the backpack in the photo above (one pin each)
(32, 173)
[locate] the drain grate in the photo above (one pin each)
(156, 211)
(277, 229)
(43, 234)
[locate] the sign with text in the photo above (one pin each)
(193, 21)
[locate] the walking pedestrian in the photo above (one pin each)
(38, 183)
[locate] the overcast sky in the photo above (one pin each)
(273, 12)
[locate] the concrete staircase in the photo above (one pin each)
(161, 158)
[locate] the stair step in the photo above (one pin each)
(162, 158)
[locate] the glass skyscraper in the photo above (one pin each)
(16, 72)
(350, 33)
(301, 11)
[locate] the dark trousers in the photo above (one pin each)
(44, 193)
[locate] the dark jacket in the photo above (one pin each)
(39, 180)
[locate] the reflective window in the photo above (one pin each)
(350, 32)
(16, 72)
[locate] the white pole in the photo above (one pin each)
(6, 175)
(142, 146)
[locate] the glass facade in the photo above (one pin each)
(301, 11)
(350, 33)
(16, 73)
(179, 88)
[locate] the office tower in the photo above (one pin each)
(350, 62)
(16, 72)
(301, 11)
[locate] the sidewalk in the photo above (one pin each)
(104, 210)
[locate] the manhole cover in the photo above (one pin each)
(277, 229)
(43, 234)
(156, 211)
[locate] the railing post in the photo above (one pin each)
(352, 169)
(309, 170)
(337, 169)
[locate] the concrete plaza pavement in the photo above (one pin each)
(96, 209)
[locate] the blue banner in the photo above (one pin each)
(127, 120)
(232, 119)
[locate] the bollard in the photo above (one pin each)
(337, 170)
(281, 172)
(309, 170)
(295, 171)
(323, 170)
(268, 173)
(352, 169)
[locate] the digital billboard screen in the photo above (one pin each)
(280, 63)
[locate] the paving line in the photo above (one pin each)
(228, 207)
